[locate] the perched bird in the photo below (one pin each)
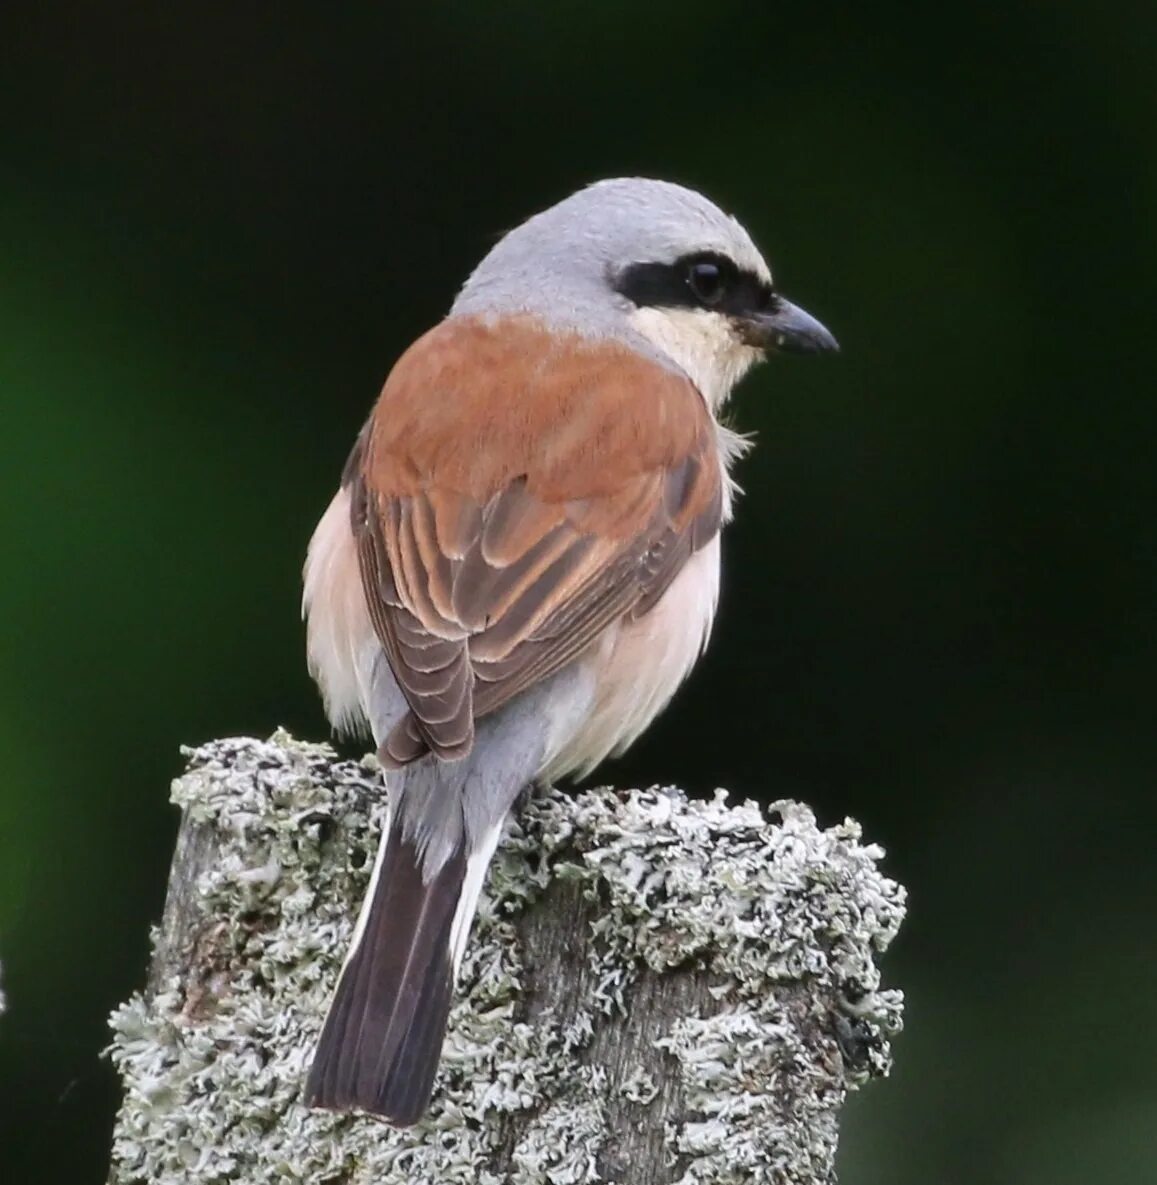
(522, 565)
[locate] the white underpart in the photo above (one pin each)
(639, 665)
(731, 445)
(340, 642)
(476, 865)
(704, 346)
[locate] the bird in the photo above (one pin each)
(520, 567)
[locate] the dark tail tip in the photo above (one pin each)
(382, 1039)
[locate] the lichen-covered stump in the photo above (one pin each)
(656, 990)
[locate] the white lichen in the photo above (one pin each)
(214, 1060)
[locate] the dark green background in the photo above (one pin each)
(219, 225)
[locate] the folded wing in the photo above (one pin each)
(512, 495)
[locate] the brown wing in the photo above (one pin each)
(511, 497)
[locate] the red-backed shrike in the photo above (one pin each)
(522, 565)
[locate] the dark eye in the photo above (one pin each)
(707, 282)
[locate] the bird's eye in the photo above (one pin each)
(707, 282)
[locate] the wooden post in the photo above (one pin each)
(657, 990)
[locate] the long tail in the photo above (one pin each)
(382, 1039)
(381, 1042)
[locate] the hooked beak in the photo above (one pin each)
(785, 328)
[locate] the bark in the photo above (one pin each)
(657, 990)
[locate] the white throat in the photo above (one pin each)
(702, 344)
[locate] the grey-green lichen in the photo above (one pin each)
(787, 919)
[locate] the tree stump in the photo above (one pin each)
(656, 990)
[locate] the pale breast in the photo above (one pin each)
(638, 666)
(344, 654)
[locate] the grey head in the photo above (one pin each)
(650, 263)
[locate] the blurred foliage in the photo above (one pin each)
(219, 224)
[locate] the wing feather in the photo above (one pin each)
(494, 553)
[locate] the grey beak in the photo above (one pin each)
(787, 329)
